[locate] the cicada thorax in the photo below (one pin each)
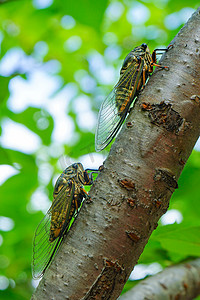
(80, 175)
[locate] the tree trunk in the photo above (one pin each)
(178, 282)
(139, 176)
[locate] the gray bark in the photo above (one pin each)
(140, 175)
(178, 282)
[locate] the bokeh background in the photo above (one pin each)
(59, 60)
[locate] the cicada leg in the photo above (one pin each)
(85, 194)
(141, 86)
(154, 59)
(88, 177)
(76, 204)
(144, 77)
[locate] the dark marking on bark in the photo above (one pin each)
(188, 266)
(164, 115)
(133, 235)
(143, 205)
(105, 283)
(88, 200)
(163, 285)
(155, 225)
(101, 168)
(127, 184)
(178, 296)
(146, 106)
(166, 176)
(164, 210)
(157, 203)
(195, 98)
(181, 162)
(185, 285)
(131, 202)
(129, 124)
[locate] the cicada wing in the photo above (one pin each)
(108, 123)
(113, 112)
(44, 249)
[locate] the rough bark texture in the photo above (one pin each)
(139, 177)
(180, 282)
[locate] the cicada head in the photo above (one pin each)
(68, 174)
(79, 171)
(141, 50)
(133, 57)
(73, 170)
(83, 176)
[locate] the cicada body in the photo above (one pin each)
(67, 198)
(135, 70)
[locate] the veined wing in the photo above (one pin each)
(43, 248)
(114, 109)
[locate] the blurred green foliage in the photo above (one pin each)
(73, 36)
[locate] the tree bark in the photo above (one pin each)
(139, 176)
(178, 282)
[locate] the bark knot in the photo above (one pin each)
(164, 115)
(129, 124)
(195, 98)
(166, 176)
(127, 184)
(131, 202)
(133, 235)
(105, 283)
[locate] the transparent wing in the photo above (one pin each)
(114, 109)
(44, 249)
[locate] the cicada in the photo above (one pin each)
(67, 198)
(136, 68)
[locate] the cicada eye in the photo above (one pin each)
(144, 46)
(75, 166)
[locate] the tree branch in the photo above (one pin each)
(139, 177)
(177, 282)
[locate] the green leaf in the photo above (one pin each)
(88, 12)
(37, 120)
(4, 157)
(16, 191)
(181, 4)
(181, 240)
(4, 89)
(84, 146)
(153, 251)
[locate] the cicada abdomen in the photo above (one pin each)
(134, 72)
(67, 199)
